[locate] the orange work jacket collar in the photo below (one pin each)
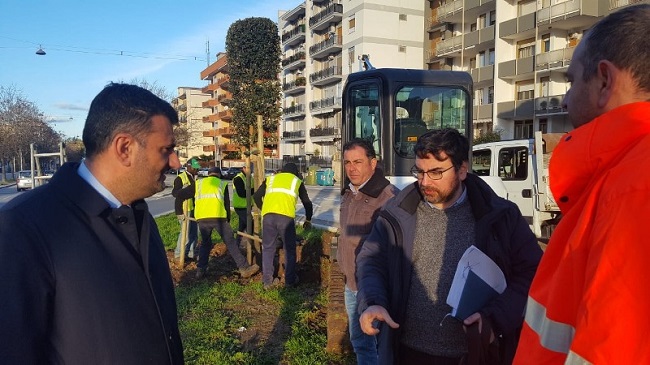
(587, 152)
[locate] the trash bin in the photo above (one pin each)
(310, 177)
(325, 177)
(320, 177)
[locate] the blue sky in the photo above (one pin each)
(166, 41)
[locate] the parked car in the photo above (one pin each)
(269, 172)
(24, 180)
(203, 172)
(231, 172)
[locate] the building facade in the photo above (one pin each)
(321, 42)
(189, 104)
(517, 52)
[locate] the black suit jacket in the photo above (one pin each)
(82, 283)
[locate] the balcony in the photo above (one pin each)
(210, 133)
(326, 134)
(615, 4)
(516, 109)
(210, 103)
(568, 14)
(225, 115)
(327, 105)
(450, 45)
(294, 36)
(479, 36)
(226, 131)
(547, 105)
(320, 161)
(294, 61)
(209, 148)
(517, 69)
(451, 12)
(482, 112)
(224, 99)
(293, 135)
(481, 74)
(228, 147)
(560, 58)
(220, 65)
(182, 107)
(471, 4)
(326, 76)
(223, 82)
(295, 87)
(433, 24)
(322, 49)
(294, 14)
(294, 111)
(211, 118)
(519, 28)
(210, 88)
(333, 13)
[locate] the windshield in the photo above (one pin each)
(25, 174)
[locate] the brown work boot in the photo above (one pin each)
(249, 271)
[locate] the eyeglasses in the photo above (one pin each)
(432, 174)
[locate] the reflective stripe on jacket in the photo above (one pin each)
(209, 198)
(281, 194)
(239, 201)
(588, 301)
(188, 204)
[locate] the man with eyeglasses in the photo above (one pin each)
(406, 266)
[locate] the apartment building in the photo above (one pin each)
(218, 116)
(189, 104)
(517, 52)
(321, 41)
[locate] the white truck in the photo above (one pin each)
(518, 171)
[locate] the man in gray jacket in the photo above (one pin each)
(368, 190)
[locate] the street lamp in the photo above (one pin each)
(300, 163)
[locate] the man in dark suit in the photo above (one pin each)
(84, 275)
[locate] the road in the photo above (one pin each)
(326, 200)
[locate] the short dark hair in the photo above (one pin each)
(623, 38)
(122, 108)
(363, 143)
(447, 140)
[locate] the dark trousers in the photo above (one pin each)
(225, 231)
(243, 219)
(408, 355)
(276, 226)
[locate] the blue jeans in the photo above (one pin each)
(191, 249)
(365, 347)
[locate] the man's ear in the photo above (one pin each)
(463, 170)
(373, 163)
(122, 147)
(607, 77)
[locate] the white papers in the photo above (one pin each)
(477, 281)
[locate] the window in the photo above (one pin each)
(481, 21)
(490, 94)
(493, 17)
(523, 129)
(543, 125)
(478, 97)
(472, 27)
(544, 83)
(472, 63)
(351, 58)
(546, 43)
(525, 89)
(481, 162)
(402, 17)
(491, 56)
(526, 48)
(351, 24)
(513, 163)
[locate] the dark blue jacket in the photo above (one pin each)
(384, 264)
(82, 283)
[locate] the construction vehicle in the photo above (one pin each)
(518, 171)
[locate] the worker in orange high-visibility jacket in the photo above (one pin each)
(589, 301)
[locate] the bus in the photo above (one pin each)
(393, 107)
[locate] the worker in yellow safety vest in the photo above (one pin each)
(239, 186)
(212, 212)
(277, 197)
(183, 192)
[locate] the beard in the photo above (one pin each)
(435, 195)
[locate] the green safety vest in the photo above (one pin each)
(281, 194)
(188, 204)
(209, 197)
(238, 201)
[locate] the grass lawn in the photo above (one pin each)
(225, 319)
